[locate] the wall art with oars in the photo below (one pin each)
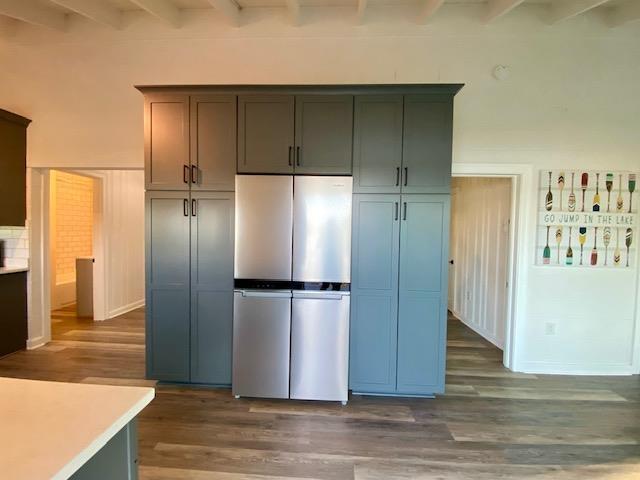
(587, 219)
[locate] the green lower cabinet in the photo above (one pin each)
(399, 291)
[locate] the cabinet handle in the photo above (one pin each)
(185, 207)
(185, 174)
(397, 176)
(194, 212)
(406, 176)
(290, 163)
(298, 156)
(194, 174)
(396, 211)
(404, 212)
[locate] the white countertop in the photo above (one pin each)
(50, 429)
(5, 270)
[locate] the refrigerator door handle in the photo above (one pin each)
(319, 295)
(264, 294)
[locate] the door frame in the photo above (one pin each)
(521, 176)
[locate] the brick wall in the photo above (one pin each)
(74, 223)
(16, 246)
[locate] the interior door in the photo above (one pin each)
(265, 133)
(427, 142)
(167, 286)
(324, 134)
(374, 293)
(377, 148)
(212, 237)
(167, 142)
(422, 314)
(213, 142)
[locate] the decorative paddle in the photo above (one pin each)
(559, 241)
(627, 242)
(632, 187)
(606, 238)
(594, 252)
(569, 260)
(582, 239)
(549, 199)
(584, 185)
(620, 201)
(596, 197)
(546, 254)
(617, 256)
(572, 195)
(561, 187)
(609, 184)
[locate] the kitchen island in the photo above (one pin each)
(55, 430)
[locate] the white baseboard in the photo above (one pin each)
(595, 369)
(126, 308)
(33, 343)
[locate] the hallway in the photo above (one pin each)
(491, 424)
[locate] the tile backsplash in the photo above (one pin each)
(16, 246)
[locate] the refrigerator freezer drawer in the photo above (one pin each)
(261, 339)
(320, 346)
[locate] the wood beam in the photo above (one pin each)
(360, 13)
(428, 9)
(229, 9)
(624, 13)
(293, 9)
(498, 8)
(97, 10)
(165, 10)
(31, 12)
(561, 11)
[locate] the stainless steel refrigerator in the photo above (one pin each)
(292, 282)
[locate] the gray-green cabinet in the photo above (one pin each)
(398, 304)
(402, 144)
(189, 261)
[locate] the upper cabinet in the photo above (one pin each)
(13, 169)
(213, 142)
(403, 144)
(324, 134)
(167, 142)
(265, 133)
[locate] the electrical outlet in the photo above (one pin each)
(468, 296)
(550, 328)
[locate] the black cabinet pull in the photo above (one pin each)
(406, 176)
(290, 163)
(194, 174)
(185, 174)
(451, 262)
(193, 207)
(298, 156)
(397, 176)
(396, 211)
(185, 207)
(404, 213)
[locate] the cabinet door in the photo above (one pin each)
(213, 142)
(212, 236)
(324, 134)
(13, 298)
(167, 285)
(422, 317)
(427, 143)
(374, 293)
(265, 133)
(166, 142)
(13, 171)
(377, 149)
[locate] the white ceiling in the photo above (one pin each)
(53, 13)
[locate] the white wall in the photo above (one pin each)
(572, 99)
(479, 246)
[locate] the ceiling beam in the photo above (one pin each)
(360, 13)
(293, 9)
(229, 9)
(165, 10)
(498, 8)
(625, 13)
(31, 12)
(428, 9)
(561, 11)
(97, 10)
